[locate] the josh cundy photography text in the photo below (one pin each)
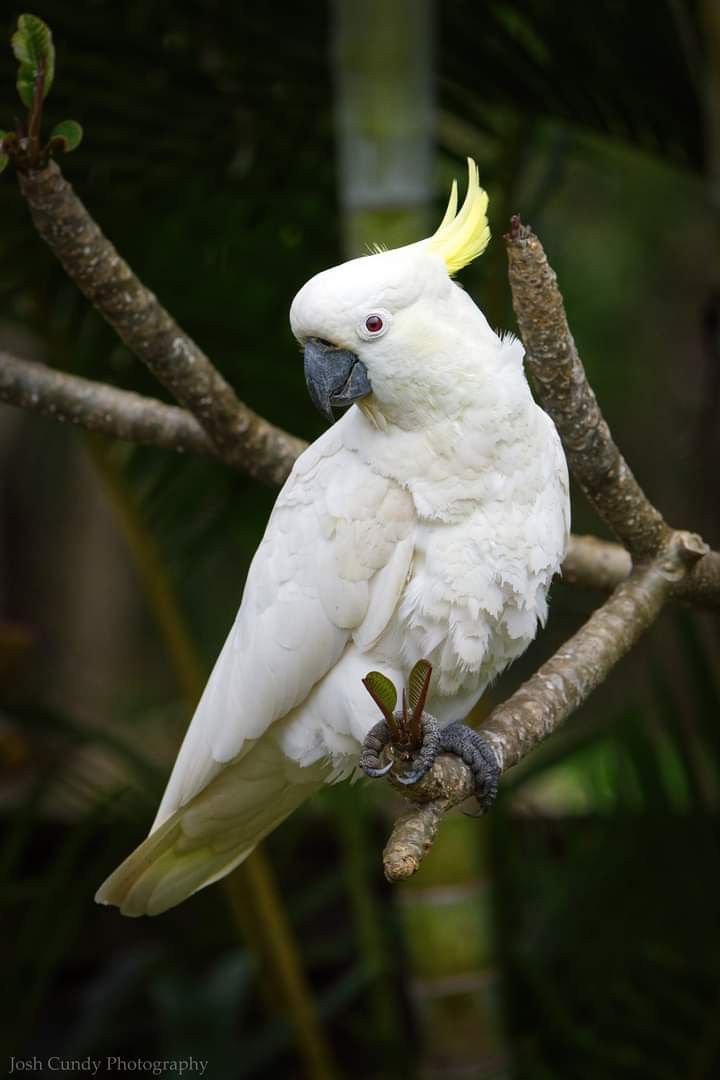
(108, 1064)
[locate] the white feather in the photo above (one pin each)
(305, 593)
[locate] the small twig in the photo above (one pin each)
(98, 407)
(36, 109)
(542, 703)
(240, 435)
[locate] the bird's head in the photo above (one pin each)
(385, 330)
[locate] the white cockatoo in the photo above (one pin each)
(427, 522)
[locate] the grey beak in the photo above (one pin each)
(334, 377)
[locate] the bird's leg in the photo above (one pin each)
(477, 753)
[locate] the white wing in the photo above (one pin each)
(314, 581)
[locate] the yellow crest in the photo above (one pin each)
(462, 236)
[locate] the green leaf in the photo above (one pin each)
(34, 50)
(418, 684)
(3, 157)
(69, 135)
(382, 692)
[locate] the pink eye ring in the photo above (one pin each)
(374, 324)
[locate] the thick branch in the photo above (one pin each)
(98, 407)
(565, 681)
(564, 392)
(541, 704)
(240, 435)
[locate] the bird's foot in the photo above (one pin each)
(407, 741)
(477, 753)
(380, 753)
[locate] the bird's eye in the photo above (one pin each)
(374, 325)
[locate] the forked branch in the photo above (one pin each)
(669, 564)
(240, 436)
(544, 702)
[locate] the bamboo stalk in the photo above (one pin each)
(384, 115)
(254, 878)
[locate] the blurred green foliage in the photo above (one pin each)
(208, 158)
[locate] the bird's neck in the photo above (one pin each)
(459, 457)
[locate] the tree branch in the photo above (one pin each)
(565, 681)
(98, 407)
(246, 441)
(668, 564)
(240, 435)
(542, 703)
(563, 390)
(121, 414)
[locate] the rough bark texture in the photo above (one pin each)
(564, 392)
(414, 832)
(565, 681)
(97, 407)
(542, 703)
(240, 435)
(701, 587)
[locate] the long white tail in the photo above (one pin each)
(213, 833)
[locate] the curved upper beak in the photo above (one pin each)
(334, 377)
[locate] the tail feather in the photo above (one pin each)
(197, 846)
(156, 876)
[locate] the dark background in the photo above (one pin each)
(209, 159)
